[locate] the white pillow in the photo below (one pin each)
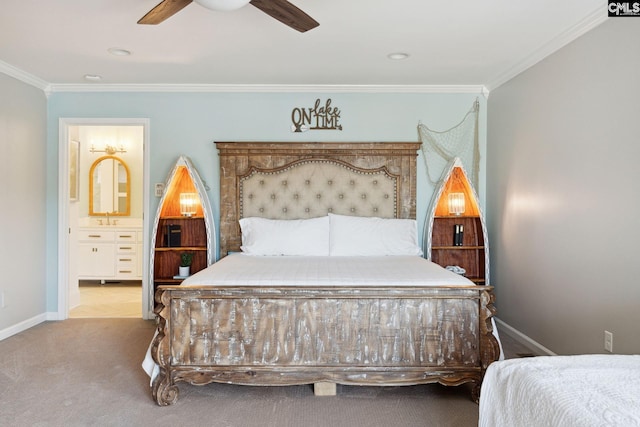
(370, 236)
(262, 236)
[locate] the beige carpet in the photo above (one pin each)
(86, 372)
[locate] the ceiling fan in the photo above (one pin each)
(281, 10)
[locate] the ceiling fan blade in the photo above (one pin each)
(163, 10)
(286, 13)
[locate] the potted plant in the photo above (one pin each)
(186, 258)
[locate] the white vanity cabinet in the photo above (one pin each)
(96, 254)
(109, 254)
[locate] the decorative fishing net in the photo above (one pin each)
(439, 148)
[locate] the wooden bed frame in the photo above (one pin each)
(444, 335)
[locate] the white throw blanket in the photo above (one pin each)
(567, 391)
(246, 270)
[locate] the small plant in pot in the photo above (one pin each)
(186, 259)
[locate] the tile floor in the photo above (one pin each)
(109, 300)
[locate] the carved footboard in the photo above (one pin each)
(288, 336)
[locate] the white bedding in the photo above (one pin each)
(584, 390)
(246, 270)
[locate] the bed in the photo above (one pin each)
(568, 391)
(321, 281)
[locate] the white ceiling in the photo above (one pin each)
(451, 43)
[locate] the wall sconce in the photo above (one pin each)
(456, 203)
(188, 203)
(109, 149)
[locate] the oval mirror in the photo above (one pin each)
(109, 187)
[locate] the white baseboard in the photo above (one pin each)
(54, 315)
(522, 338)
(23, 326)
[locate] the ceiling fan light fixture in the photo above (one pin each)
(398, 56)
(116, 51)
(223, 5)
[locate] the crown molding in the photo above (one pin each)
(49, 88)
(23, 76)
(595, 18)
(223, 88)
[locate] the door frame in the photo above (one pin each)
(63, 206)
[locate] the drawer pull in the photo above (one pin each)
(125, 247)
(124, 271)
(95, 235)
(125, 259)
(125, 236)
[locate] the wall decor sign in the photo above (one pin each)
(319, 117)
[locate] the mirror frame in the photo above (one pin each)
(127, 211)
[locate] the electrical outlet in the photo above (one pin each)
(2, 304)
(608, 341)
(159, 189)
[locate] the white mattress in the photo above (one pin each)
(246, 270)
(584, 390)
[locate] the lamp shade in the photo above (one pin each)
(223, 5)
(188, 203)
(456, 203)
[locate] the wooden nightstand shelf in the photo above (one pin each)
(194, 233)
(470, 255)
(472, 251)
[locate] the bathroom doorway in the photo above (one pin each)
(103, 261)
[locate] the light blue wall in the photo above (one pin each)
(189, 123)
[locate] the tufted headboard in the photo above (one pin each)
(305, 180)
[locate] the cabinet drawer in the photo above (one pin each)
(96, 236)
(126, 258)
(126, 248)
(126, 267)
(126, 236)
